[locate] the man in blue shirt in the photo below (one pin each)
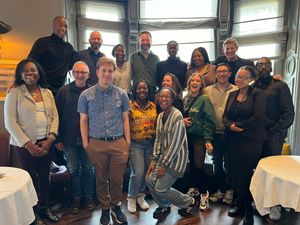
(104, 125)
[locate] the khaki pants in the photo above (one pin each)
(109, 159)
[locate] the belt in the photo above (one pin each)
(110, 138)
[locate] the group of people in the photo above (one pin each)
(233, 110)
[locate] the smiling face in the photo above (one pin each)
(120, 53)
(165, 99)
(95, 40)
(145, 42)
(80, 74)
(230, 51)
(105, 74)
(198, 58)
(30, 74)
(142, 91)
(222, 74)
(167, 81)
(60, 27)
(243, 78)
(195, 84)
(172, 49)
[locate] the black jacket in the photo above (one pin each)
(69, 118)
(280, 109)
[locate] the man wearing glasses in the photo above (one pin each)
(69, 139)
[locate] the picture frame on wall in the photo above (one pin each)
(7, 73)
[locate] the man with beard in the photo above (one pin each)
(230, 47)
(143, 62)
(54, 54)
(91, 55)
(172, 65)
(279, 114)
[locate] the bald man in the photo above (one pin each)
(54, 54)
(91, 55)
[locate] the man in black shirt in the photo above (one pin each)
(54, 54)
(230, 47)
(280, 108)
(172, 65)
(91, 55)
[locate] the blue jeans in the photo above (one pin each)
(219, 161)
(139, 159)
(162, 192)
(81, 170)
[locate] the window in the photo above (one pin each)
(181, 21)
(174, 10)
(188, 40)
(259, 27)
(106, 17)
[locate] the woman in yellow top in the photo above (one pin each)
(142, 132)
(200, 64)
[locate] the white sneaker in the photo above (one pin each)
(142, 203)
(228, 197)
(131, 205)
(275, 213)
(204, 201)
(216, 196)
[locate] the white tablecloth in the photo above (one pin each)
(276, 181)
(17, 197)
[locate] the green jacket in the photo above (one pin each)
(203, 117)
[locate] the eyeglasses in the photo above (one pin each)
(222, 71)
(241, 78)
(80, 72)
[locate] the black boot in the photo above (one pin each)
(238, 210)
(45, 213)
(248, 219)
(37, 220)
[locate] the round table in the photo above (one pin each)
(276, 181)
(17, 197)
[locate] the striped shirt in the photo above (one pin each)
(171, 147)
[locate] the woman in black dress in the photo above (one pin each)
(244, 123)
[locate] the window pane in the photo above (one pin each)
(257, 51)
(256, 27)
(151, 9)
(188, 40)
(246, 10)
(110, 39)
(102, 11)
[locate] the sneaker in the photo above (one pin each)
(275, 212)
(204, 201)
(89, 203)
(161, 212)
(216, 196)
(193, 191)
(192, 208)
(131, 205)
(75, 206)
(142, 203)
(54, 168)
(105, 219)
(227, 199)
(118, 215)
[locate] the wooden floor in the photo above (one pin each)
(216, 215)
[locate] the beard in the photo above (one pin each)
(145, 47)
